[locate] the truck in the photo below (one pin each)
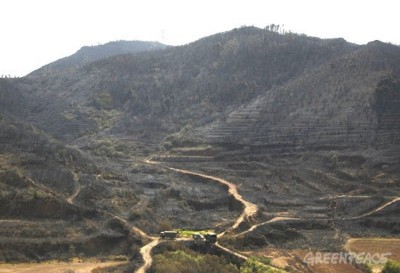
(208, 238)
(211, 238)
(198, 239)
(169, 234)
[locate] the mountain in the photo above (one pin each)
(90, 54)
(169, 89)
(307, 129)
(247, 86)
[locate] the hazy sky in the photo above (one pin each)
(36, 32)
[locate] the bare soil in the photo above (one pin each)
(375, 245)
(56, 267)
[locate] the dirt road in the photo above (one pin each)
(378, 209)
(249, 210)
(273, 220)
(145, 251)
(235, 253)
(76, 191)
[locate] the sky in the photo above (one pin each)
(37, 32)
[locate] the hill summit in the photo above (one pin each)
(88, 54)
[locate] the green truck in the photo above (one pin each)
(169, 234)
(209, 238)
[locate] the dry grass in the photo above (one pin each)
(294, 259)
(326, 268)
(334, 268)
(55, 267)
(375, 245)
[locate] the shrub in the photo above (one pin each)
(252, 265)
(391, 267)
(103, 101)
(191, 262)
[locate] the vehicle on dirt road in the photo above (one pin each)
(169, 234)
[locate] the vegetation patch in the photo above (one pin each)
(391, 267)
(108, 148)
(189, 233)
(258, 265)
(103, 101)
(189, 261)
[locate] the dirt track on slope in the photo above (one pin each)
(273, 220)
(249, 210)
(378, 209)
(76, 191)
(145, 251)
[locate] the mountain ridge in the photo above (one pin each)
(88, 54)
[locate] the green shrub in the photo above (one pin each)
(191, 262)
(391, 267)
(253, 265)
(103, 101)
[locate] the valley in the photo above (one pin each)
(280, 143)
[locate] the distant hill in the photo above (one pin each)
(88, 54)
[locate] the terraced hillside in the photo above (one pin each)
(38, 219)
(351, 101)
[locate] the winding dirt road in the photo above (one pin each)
(145, 251)
(76, 191)
(250, 209)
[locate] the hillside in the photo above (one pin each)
(351, 101)
(40, 218)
